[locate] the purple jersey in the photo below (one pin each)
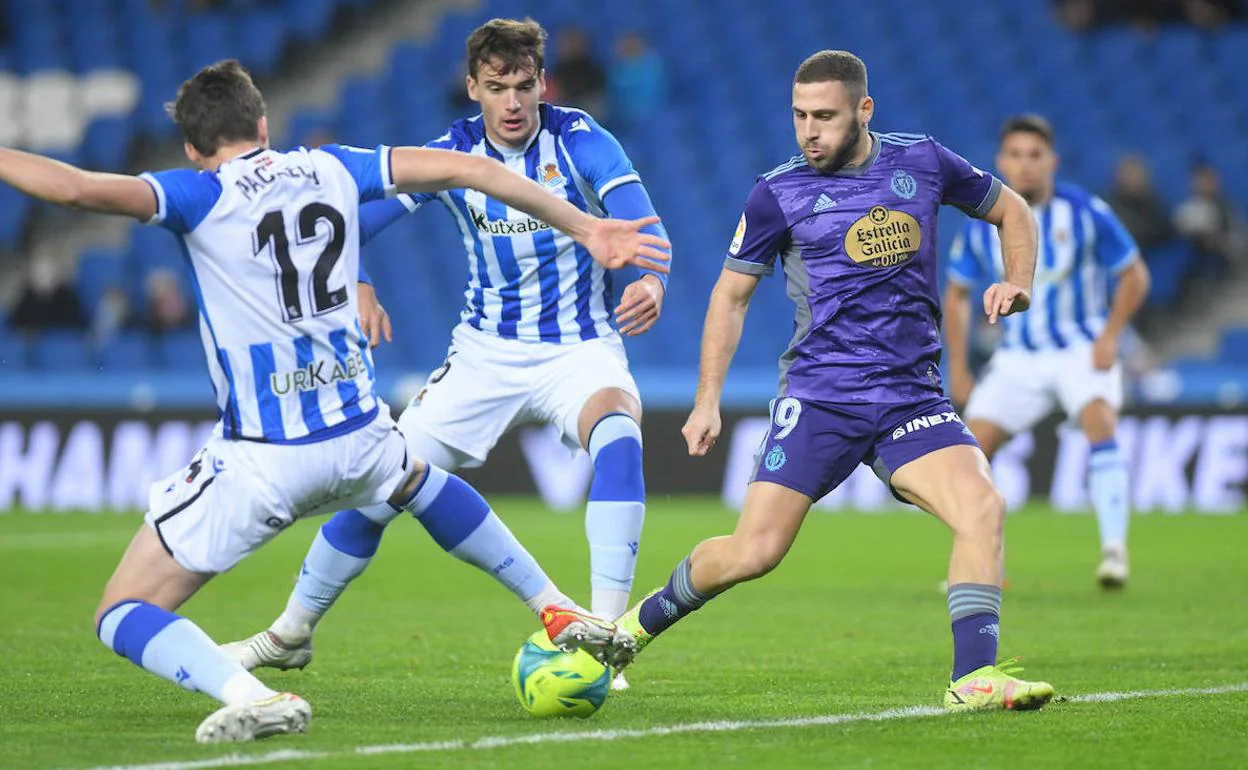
(858, 249)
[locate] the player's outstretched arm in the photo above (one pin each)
(725, 317)
(65, 185)
(613, 243)
(1017, 228)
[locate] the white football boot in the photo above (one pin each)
(281, 713)
(267, 650)
(1112, 573)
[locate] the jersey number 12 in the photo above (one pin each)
(272, 229)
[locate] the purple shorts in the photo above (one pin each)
(812, 446)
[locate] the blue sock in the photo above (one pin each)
(615, 513)
(674, 601)
(172, 647)
(341, 551)
(461, 522)
(975, 613)
(1110, 489)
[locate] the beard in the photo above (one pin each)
(1032, 196)
(844, 151)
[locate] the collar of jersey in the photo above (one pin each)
(866, 164)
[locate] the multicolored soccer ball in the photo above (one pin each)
(552, 683)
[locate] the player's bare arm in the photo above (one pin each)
(725, 316)
(1133, 283)
(641, 303)
(957, 313)
(613, 243)
(65, 185)
(1017, 228)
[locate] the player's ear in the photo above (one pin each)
(471, 84)
(193, 155)
(541, 84)
(866, 108)
(262, 131)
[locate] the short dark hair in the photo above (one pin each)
(517, 45)
(219, 105)
(840, 66)
(1029, 123)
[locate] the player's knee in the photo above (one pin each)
(615, 447)
(755, 557)
(981, 514)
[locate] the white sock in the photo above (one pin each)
(1110, 490)
(609, 603)
(615, 512)
(549, 595)
(175, 649)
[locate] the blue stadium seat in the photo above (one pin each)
(106, 144)
(260, 35)
(1234, 346)
(209, 39)
(1170, 265)
(13, 209)
(14, 354)
(59, 350)
(129, 351)
(179, 350)
(98, 269)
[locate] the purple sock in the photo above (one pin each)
(674, 601)
(975, 612)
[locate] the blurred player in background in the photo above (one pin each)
(272, 242)
(1064, 351)
(535, 343)
(853, 221)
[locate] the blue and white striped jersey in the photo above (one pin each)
(1081, 243)
(527, 281)
(272, 242)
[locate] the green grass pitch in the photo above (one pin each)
(419, 650)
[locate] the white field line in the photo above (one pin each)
(502, 741)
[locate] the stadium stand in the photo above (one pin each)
(954, 69)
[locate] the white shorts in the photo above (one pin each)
(234, 496)
(489, 385)
(1020, 388)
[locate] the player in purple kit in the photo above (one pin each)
(853, 220)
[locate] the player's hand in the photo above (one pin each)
(640, 306)
(1104, 352)
(961, 383)
(701, 430)
(374, 319)
(1005, 299)
(614, 243)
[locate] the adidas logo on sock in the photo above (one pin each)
(824, 203)
(669, 607)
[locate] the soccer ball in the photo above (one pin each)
(552, 683)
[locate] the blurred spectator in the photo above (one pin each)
(47, 301)
(1211, 14)
(1209, 221)
(1137, 204)
(578, 79)
(637, 80)
(167, 306)
(111, 315)
(1079, 15)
